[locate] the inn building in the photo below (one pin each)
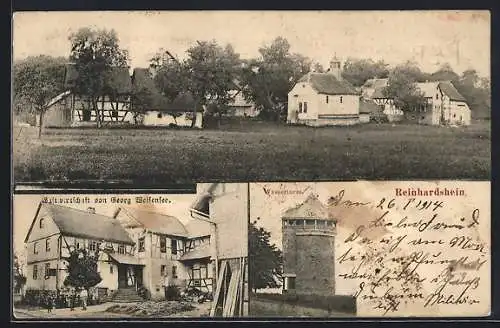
(136, 249)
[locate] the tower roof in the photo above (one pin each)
(312, 207)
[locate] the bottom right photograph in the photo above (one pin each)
(369, 249)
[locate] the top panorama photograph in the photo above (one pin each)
(150, 99)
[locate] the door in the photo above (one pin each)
(138, 275)
(86, 114)
(122, 276)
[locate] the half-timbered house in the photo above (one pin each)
(57, 230)
(72, 108)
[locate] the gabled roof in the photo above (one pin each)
(327, 83)
(84, 224)
(379, 93)
(376, 83)
(449, 89)
(119, 79)
(428, 88)
(158, 223)
(312, 207)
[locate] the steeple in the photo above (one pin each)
(335, 67)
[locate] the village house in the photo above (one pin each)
(320, 99)
(239, 106)
(445, 105)
(161, 111)
(165, 246)
(136, 249)
(373, 89)
(56, 231)
(69, 109)
(309, 249)
(118, 108)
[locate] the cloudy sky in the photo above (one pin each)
(430, 38)
(25, 206)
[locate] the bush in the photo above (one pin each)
(144, 293)
(173, 293)
(37, 297)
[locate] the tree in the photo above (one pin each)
(95, 54)
(445, 73)
(266, 260)
(208, 74)
(18, 273)
(36, 81)
(82, 269)
(318, 68)
(358, 71)
(477, 92)
(267, 80)
(403, 89)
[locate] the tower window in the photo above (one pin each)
(341, 99)
(41, 223)
(326, 99)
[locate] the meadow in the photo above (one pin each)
(253, 151)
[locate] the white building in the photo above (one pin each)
(446, 106)
(320, 99)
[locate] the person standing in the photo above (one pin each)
(84, 296)
(166, 286)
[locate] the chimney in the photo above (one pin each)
(335, 68)
(91, 210)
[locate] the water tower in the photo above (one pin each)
(309, 249)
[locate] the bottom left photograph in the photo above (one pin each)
(131, 255)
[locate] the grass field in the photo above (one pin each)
(254, 151)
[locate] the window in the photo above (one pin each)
(98, 246)
(115, 113)
(326, 99)
(341, 99)
(47, 269)
(174, 271)
(35, 247)
(300, 107)
(305, 107)
(173, 245)
(42, 223)
(163, 244)
(47, 245)
(35, 272)
(86, 115)
(162, 269)
(121, 249)
(159, 115)
(93, 246)
(141, 244)
(454, 115)
(437, 96)
(111, 268)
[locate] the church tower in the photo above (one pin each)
(309, 249)
(335, 68)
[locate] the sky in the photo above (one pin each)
(25, 206)
(432, 38)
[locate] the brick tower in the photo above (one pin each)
(309, 249)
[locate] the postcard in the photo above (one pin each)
(250, 96)
(370, 249)
(134, 256)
